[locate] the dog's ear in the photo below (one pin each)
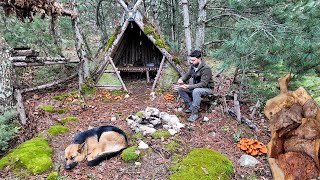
(80, 148)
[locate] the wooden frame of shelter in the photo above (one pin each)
(133, 50)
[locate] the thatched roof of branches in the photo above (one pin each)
(24, 9)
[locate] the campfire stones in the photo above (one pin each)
(152, 119)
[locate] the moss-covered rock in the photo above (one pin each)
(33, 155)
(57, 129)
(53, 176)
(161, 133)
(172, 147)
(68, 119)
(202, 164)
(48, 108)
(130, 154)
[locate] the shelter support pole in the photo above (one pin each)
(118, 74)
(158, 74)
(148, 76)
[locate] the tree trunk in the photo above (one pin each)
(6, 80)
(56, 34)
(186, 24)
(201, 24)
(154, 15)
(173, 23)
(81, 52)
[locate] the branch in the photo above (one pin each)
(135, 7)
(217, 17)
(49, 84)
(123, 4)
(213, 42)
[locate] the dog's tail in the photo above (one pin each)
(103, 157)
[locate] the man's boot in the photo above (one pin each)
(188, 108)
(194, 116)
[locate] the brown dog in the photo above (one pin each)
(95, 145)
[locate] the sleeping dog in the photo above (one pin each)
(95, 145)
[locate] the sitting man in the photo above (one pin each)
(202, 84)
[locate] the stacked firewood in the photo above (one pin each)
(295, 126)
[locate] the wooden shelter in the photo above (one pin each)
(137, 47)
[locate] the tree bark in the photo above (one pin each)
(186, 24)
(6, 80)
(201, 24)
(81, 52)
(155, 16)
(56, 34)
(173, 23)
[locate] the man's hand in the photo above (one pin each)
(180, 81)
(184, 86)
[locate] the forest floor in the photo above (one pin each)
(216, 134)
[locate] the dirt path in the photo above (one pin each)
(216, 134)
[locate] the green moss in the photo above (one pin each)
(61, 97)
(139, 114)
(160, 43)
(48, 108)
(110, 41)
(169, 76)
(88, 88)
(74, 93)
(176, 60)
(200, 160)
(53, 176)
(172, 147)
(138, 135)
(62, 110)
(161, 133)
(33, 155)
(130, 154)
(68, 119)
(148, 30)
(57, 129)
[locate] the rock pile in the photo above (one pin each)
(151, 119)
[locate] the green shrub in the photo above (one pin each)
(202, 164)
(7, 129)
(130, 154)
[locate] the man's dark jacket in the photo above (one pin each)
(202, 78)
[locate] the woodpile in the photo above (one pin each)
(295, 128)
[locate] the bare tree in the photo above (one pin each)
(200, 32)
(6, 80)
(186, 23)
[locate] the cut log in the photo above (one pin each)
(20, 107)
(24, 52)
